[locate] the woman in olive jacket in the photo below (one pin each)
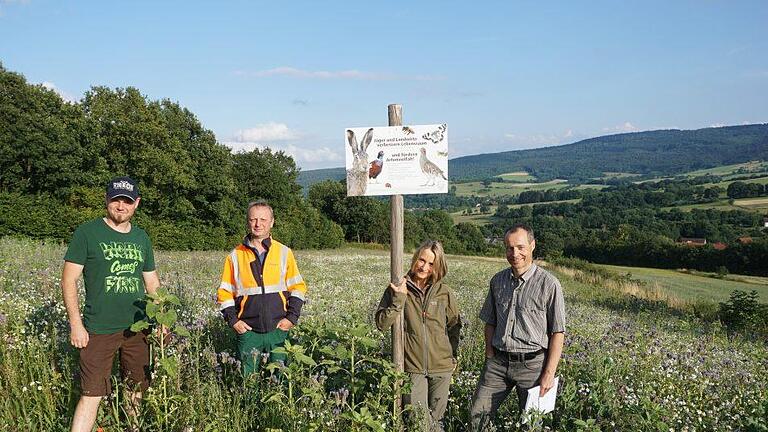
(432, 323)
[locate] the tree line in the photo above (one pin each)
(56, 157)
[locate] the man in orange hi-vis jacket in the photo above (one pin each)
(261, 291)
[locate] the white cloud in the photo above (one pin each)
(265, 132)
(279, 137)
(717, 125)
(292, 72)
(64, 95)
(622, 128)
(306, 158)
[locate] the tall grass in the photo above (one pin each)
(631, 361)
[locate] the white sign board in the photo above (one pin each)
(397, 160)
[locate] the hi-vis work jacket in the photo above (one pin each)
(261, 295)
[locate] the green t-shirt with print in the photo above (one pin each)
(113, 265)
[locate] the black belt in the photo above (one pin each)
(518, 357)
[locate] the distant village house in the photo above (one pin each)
(692, 241)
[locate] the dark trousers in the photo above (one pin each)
(253, 347)
(500, 375)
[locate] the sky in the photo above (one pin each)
(503, 75)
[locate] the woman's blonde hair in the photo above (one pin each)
(439, 267)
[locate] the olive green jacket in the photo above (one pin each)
(432, 325)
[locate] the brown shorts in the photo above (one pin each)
(97, 357)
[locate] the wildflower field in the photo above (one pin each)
(629, 364)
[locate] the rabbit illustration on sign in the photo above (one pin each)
(357, 176)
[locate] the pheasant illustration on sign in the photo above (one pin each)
(431, 170)
(376, 166)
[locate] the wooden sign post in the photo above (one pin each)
(396, 249)
(396, 256)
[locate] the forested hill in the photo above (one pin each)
(661, 152)
(310, 177)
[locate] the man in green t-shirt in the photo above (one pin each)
(118, 267)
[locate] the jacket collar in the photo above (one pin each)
(430, 289)
(266, 243)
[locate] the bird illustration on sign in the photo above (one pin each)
(376, 166)
(429, 169)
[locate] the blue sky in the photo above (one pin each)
(503, 75)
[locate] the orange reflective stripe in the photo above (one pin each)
(285, 302)
(242, 306)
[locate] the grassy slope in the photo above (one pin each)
(505, 189)
(756, 166)
(694, 288)
(519, 176)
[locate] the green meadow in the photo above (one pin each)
(520, 176)
(724, 170)
(630, 363)
(693, 287)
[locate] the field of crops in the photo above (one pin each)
(629, 364)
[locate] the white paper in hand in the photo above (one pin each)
(540, 404)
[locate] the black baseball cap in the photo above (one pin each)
(122, 186)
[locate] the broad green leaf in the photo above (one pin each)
(370, 343)
(170, 365)
(181, 331)
(152, 309)
(359, 331)
(167, 318)
(173, 299)
(302, 358)
(139, 326)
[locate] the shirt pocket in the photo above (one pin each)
(502, 304)
(530, 324)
